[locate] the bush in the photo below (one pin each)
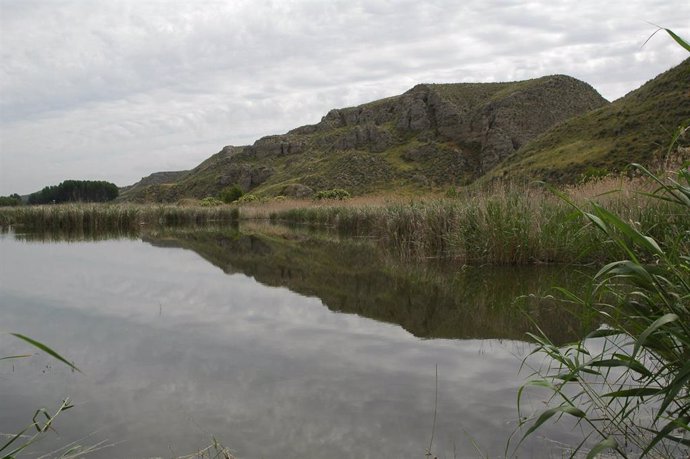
(247, 198)
(231, 194)
(210, 201)
(336, 193)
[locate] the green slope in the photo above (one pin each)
(635, 128)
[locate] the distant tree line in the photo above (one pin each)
(11, 200)
(76, 190)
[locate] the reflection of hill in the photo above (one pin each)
(351, 277)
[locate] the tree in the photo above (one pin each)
(76, 191)
(11, 200)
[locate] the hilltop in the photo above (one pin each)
(430, 136)
(151, 181)
(635, 128)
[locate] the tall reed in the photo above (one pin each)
(95, 218)
(629, 381)
(506, 225)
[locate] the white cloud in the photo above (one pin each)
(117, 90)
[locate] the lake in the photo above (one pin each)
(279, 343)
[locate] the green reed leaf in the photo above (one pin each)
(636, 392)
(46, 349)
(631, 364)
(607, 443)
(10, 357)
(548, 414)
(657, 324)
(665, 432)
(678, 40)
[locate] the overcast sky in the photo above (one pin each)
(115, 90)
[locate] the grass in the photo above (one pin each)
(506, 225)
(43, 421)
(213, 451)
(501, 225)
(634, 128)
(105, 218)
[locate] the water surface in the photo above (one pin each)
(281, 345)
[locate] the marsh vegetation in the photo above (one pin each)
(503, 225)
(89, 218)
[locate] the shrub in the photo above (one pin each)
(210, 201)
(336, 193)
(247, 198)
(231, 194)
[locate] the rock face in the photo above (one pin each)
(153, 180)
(247, 176)
(493, 119)
(157, 178)
(297, 190)
(432, 135)
(274, 145)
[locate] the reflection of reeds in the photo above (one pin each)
(430, 300)
(102, 218)
(506, 225)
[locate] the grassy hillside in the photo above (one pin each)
(149, 183)
(635, 128)
(432, 136)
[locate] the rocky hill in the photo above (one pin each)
(432, 135)
(157, 178)
(635, 128)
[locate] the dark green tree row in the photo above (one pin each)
(11, 200)
(76, 190)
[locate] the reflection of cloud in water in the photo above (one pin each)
(175, 351)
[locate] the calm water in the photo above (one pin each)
(280, 346)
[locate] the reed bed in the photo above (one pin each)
(505, 225)
(105, 218)
(264, 209)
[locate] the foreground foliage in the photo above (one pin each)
(629, 381)
(42, 420)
